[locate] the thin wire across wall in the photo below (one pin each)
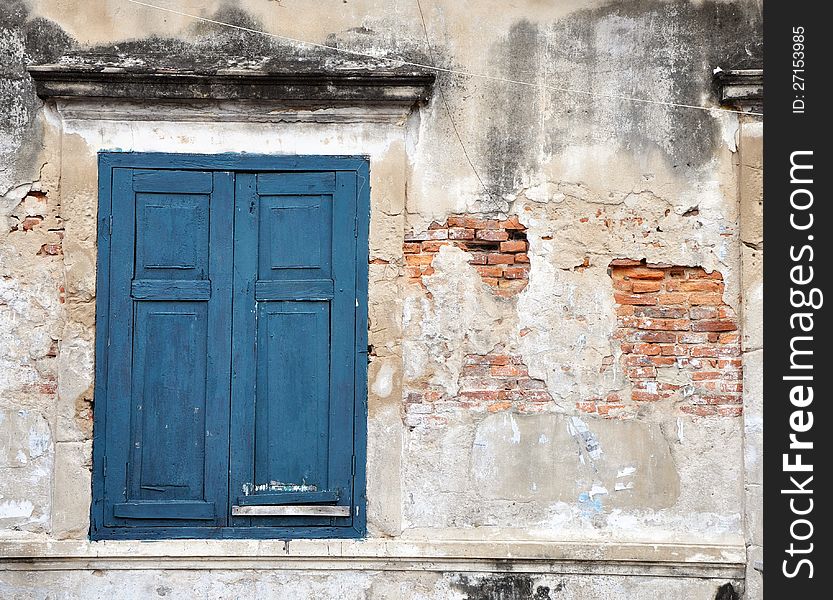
(460, 72)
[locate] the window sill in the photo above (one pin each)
(664, 559)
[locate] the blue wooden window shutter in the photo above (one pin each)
(231, 337)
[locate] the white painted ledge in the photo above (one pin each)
(627, 559)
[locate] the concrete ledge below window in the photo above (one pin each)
(626, 559)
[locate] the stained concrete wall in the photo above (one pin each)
(591, 176)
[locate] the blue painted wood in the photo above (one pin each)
(295, 236)
(309, 183)
(309, 289)
(172, 236)
(361, 347)
(272, 498)
(178, 509)
(167, 433)
(244, 326)
(158, 180)
(102, 303)
(293, 393)
(185, 289)
(313, 283)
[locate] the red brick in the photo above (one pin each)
(701, 274)
(492, 235)
(411, 247)
(674, 350)
(492, 281)
(433, 246)
(413, 272)
(481, 395)
(478, 258)
(513, 246)
(642, 396)
(434, 234)
(663, 361)
(672, 299)
(705, 298)
(435, 225)
(647, 349)
(705, 375)
(458, 233)
(661, 312)
(641, 372)
(511, 223)
(640, 287)
(696, 285)
(663, 324)
(642, 273)
(661, 337)
(500, 259)
(704, 312)
(456, 221)
(521, 258)
(636, 360)
(633, 299)
(692, 338)
(625, 310)
(418, 259)
(490, 270)
(516, 273)
(713, 326)
(482, 223)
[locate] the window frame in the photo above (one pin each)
(107, 161)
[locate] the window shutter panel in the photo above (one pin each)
(294, 323)
(166, 423)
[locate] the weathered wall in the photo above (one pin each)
(555, 282)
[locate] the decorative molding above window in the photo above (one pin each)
(124, 93)
(741, 88)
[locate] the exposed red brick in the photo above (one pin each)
(492, 235)
(642, 273)
(686, 325)
(513, 246)
(459, 233)
(490, 270)
(635, 299)
(500, 259)
(714, 326)
(639, 287)
(516, 273)
(418, 259)
(411, 247)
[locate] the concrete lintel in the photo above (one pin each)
(311, 88)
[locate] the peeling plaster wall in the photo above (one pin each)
(592, 178)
